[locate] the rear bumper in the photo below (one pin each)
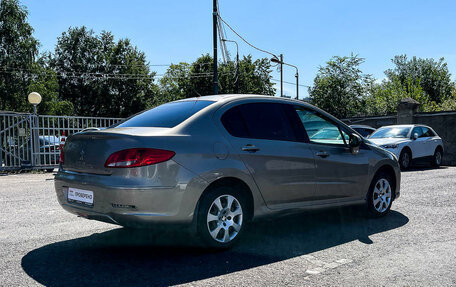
(132, 205)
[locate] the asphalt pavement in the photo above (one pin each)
(415, 245)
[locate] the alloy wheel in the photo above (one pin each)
(224, 218)
(382, 195)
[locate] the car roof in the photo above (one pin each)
(405, 126)
(232, 97)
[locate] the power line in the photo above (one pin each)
(242, 38)
(291, 83)
(117, 76)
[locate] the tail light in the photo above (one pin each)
(136, 157)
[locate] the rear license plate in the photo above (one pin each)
(80, 196)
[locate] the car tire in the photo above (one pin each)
(405, 159)
(222, 215)
(380, 196)
(437, 158)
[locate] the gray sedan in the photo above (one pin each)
(217, 162)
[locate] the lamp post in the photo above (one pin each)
(35, 99)
(281, 62)
(237, 63)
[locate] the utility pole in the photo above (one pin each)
(214, 29)
(237, 71)
(297, 84)
(237, 63)
(281, 75)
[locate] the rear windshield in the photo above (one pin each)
(166, 116)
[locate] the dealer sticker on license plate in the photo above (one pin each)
(80, 196)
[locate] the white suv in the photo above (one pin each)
(410, 142)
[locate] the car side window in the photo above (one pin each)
(234, 123)
(319, 129)
(426, 132)
(418, 131)
(260, 121)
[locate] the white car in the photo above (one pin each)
(410, 142)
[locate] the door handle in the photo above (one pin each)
(322, 154)
(250, 148)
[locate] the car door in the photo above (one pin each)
(339, 173)
(416, 145)
(279, 162)
(429, 141)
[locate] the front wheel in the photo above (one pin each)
(380, 195)
(221, 217)
(405, 159)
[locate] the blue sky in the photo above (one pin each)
(307, 33)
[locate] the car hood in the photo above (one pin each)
(383, 141)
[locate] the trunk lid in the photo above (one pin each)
(87, 152)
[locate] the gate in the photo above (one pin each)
(32, 142)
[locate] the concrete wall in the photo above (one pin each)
(444, 123)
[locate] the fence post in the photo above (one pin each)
(405, 110)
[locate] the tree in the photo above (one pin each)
(254, 77)
(340, 87)
(434, 77)
(194, 80)
(18, 50)
(175, 84)
(385, 97)
(44, 81)
(102, 77)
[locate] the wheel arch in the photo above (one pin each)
(439, 147)
(407, 148)
(235, 182)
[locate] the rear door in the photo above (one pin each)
(429, 141)
(339, 173)
(281, 163)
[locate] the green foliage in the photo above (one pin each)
(44, 81)
(175, 84)
(18, 49)
(433, 76)
(94, 75)
(102, 77)
(194, 80)
(450, 103)
(385, 97)
(340, 87)
(254, 77)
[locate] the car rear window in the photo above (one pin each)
(167, 115)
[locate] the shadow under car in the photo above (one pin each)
(123, 256)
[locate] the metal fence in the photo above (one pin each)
(30, 141)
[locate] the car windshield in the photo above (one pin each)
(390, 132)
(167, 115)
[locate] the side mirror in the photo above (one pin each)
(415, 136)
(354, 142)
